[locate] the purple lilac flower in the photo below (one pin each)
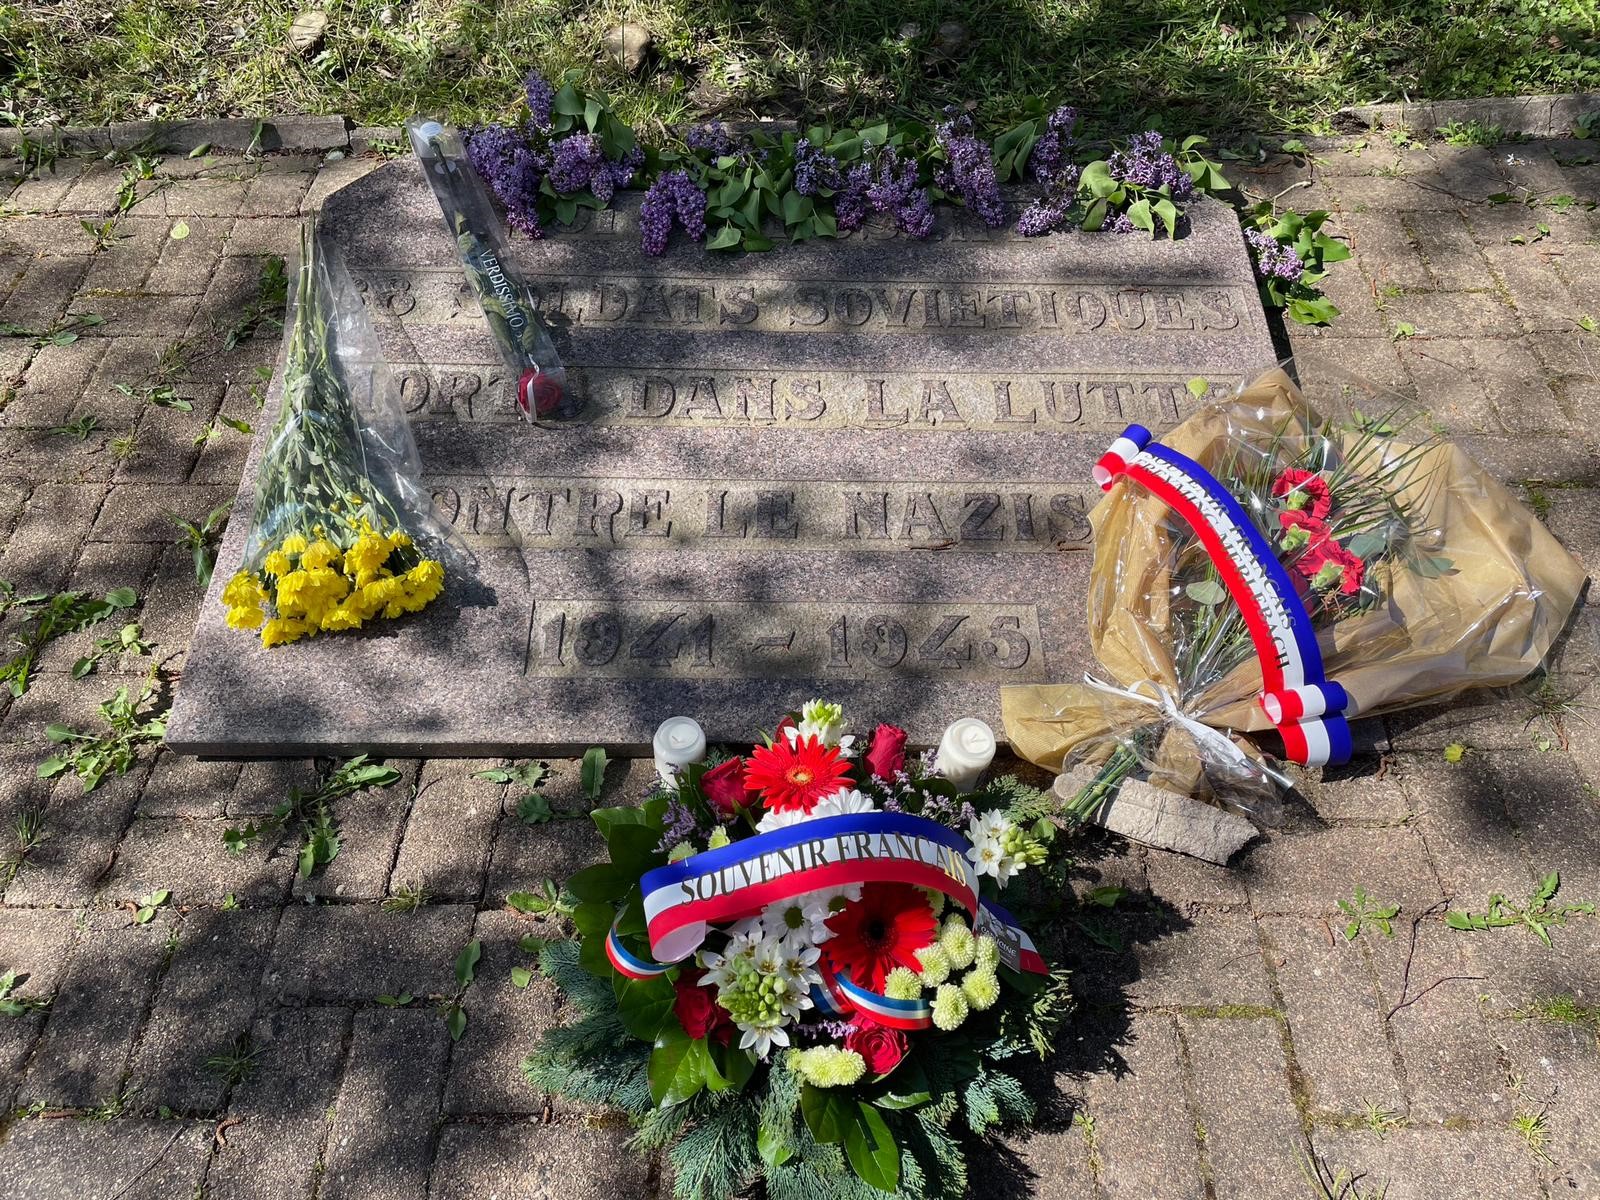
(512, 169)
(1145, 163)
(1274, 260)
(1055, 143)
(716, 139)
(672, 196)
(813, 169)
(540, 97)
(1049, 212)
(614, 174)
(577, 159)
(678, 824)
(915, 216)
(970, 170)
(850, 204)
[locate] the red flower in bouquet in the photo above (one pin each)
(1301, 529)
(725, 789)
(1329, 565)
(880, 1047)
(795, 776)
(879, 932)
(697, 1009)
(1305, 491)
(887, 757)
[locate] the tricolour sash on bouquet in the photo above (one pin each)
(683, 900)
(1308, 709)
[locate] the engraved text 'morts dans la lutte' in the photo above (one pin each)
(950, 640)
(824, 306)
(871, 516)
(1089, 401)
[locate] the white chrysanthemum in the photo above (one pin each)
(992, 824)
(986, 855)
(801, 916)
(842, 803)
(780, 820)
(833, 900)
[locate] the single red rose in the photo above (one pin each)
(887, 757)
(1304, 490)
(880, 1047)
(697, 1009)
(724, 788)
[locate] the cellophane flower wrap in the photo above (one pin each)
(1410, 573)
(805, 965)
(343, 533)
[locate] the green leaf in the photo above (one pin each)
(600, 884)
(122, 597)
(774, 1147)
(1457, 919)
(534, 809)
(677, 1068)
(1140, 216)
(594, 771)
(521, 977)
(467, 962)
(1206, 591)
(400, 1001)
(201, 150)
(526, 902)
(1198, 387)
(455, 1019)
(58, 732)
(179, 231)
(725, 238)
(829, 1114)
(644, 1005)
(872, 1150)
(1367, 543)
(1548, 886)
(568, 102)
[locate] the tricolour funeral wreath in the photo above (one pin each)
(798, 966)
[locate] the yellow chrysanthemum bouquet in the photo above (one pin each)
(339, 513)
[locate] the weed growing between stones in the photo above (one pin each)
(133, 719)
(455, 1014)
(308, 813)
(28, 832)
(1330, 1183)
(48, 617)
(17, 1006)
(1365, 912)
(549, 900)
(235, 1064)
(200, 538)
(407, 898)
(1539, 914)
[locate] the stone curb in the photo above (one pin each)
(286, 134)
(1533, 116)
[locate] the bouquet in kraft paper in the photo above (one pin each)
(1264, 569)
(799, 968)
(343, 533)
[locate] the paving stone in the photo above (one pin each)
(81, 841)
(1049, 1163)
(202, 197)
(1450, 1051)
(1519, 969)
(1560, 1068)
(1142, 1120)
(1379, 193)
(276, 194)
(1365, 789)
(1331, 1000)
(127, 261)
(143, 512)
(1557, 817)
(129, 1159)
(1429, 1164)
(204, 1006)
(1241, 1088)
(188, 857)
(1468, 830)
(1446, 244)
(525, 855)
(39, 301)
(449, 831)
(370, 824)
(55, 378)
(1215, 961)
(284, 1108)
(333, 176)
(173, 600)
(260, 236)
(1311, 872)
(187, 787)
(1454, 314)
(18, 1035)
(1478, 386)
(1181, 880)
(98, 1010)
(380, 1146)
(1552, 460)
(1386, 248)
(186, 263)
(527, 1160)
(35, 943)
(357, 952)
(505, 1022)
(264, 785)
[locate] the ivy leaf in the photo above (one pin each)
(467, 962)
(872, 1150)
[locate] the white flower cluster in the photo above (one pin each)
(997, 846)
(825, 722)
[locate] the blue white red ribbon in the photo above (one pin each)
(1307, 708)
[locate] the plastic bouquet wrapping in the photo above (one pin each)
(508, 304)
(343, 533)
(795, 966)
(1262, 568)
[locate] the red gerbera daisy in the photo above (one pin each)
(795, 776)
(879, 932)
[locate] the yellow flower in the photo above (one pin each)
(277, 563)
(243, 591)
(321, 553)
(355, 499)
(423, 583)
(293, 544)
(348, 615)
(370, 552)
(245, 617)
(281, 630)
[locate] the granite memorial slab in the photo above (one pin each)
(853, 468)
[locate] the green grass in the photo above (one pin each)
(1182, 65)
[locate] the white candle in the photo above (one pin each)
(678, 742)
(965, 752)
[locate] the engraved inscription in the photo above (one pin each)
(949, 640)
(676, 398)
(1078, 308)
(871, 516)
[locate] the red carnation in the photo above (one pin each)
(880, 1047)
(724, 788)
(1304, 490)
(1293, 519)
(1329, 565)
(887, 757)
(879, 932)
(697, 1009)
(796, 776)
